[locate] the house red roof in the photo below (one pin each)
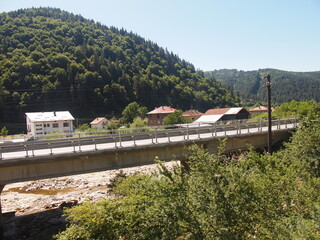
(162, 109)
(192, 113)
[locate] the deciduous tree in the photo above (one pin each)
(132, 111)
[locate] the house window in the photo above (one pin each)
(38, 129)
(38, 125)
(66, 124)
(47, 125)
(158, 116)
(55, 125)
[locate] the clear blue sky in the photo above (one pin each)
(212, 34)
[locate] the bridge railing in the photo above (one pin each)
(104, 132)
(123, 138)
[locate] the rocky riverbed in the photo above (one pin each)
(33, 210)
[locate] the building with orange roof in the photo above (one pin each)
(99, 123)
(192, 114)
(260, 109)
(156, 116)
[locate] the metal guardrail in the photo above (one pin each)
(120, 136)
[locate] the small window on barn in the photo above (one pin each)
(66, 124)
(55, 125)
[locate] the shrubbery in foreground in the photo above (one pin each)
(256, 197)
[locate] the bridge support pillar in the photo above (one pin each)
(1, 221)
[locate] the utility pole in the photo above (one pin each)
(268, 85)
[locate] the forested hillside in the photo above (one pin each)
(54, 60)
(286, 86)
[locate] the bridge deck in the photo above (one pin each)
(36, 149)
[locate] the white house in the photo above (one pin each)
(42, 123)
(99, 123)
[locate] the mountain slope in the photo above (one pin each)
(54, 60)
(286, 86)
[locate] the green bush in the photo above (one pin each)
(260, 196)
(4, 132)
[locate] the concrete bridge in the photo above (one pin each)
(60, 157)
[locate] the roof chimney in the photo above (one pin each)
(54, 113)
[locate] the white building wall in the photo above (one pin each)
(40, 129)
(100, 125)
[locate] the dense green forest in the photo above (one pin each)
(286, 86)
(250, 196)
(54, 60)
